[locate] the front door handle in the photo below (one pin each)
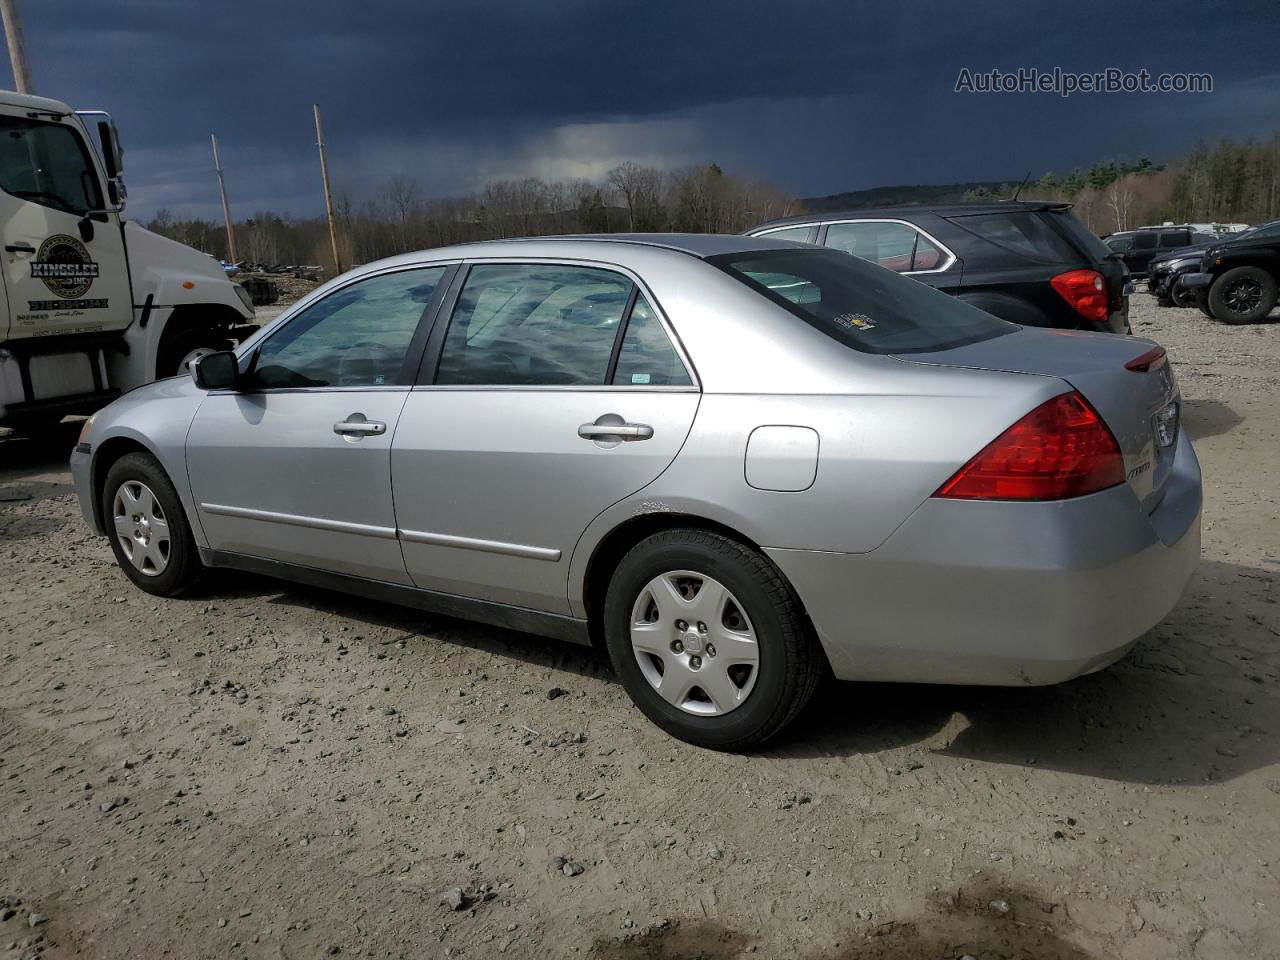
(19, 248)
(611, 429)
(357, 426)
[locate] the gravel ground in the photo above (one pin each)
(271, 771)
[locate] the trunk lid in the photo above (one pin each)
(1093, 363)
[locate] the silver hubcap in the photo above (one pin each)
(185, 365)
(694, 643)
(141, 527)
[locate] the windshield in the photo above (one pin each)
(861, 305)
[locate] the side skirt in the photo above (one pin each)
(523, 619)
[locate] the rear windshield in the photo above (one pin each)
(1023, 232)
(860, 304)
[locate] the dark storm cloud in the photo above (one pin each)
(817, 97)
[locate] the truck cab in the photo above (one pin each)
(91, 304)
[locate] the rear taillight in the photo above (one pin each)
(1086, 291)
(1153, 359)
(1060, 449)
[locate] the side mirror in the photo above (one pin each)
(216, 371)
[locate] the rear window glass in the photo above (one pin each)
(1022, 232)
(860, 304)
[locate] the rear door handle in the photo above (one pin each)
(19, 248)
(613, 427)
(357, 426)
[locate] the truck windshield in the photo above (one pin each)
(47, 163)
(859, 304)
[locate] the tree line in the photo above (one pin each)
(399, 217)
(1228, 182)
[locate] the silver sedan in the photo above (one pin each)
(739, 465)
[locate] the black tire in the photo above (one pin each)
(1242, 295)
(182, 568)
(1179, 296)
(791, 663)
(175, 350)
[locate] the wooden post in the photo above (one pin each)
(226, 211)
(17, 49)
(328, 196)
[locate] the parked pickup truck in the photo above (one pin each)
(1238, 279)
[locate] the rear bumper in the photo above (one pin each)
(1005, 594)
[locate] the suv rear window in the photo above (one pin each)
(859, 304)
(1023, 232)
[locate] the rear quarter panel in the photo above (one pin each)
(884, 447)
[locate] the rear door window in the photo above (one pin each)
(895, 246)
(1023, 232)
(1174, 238)
(534, 325)
(1143, 241)
(805, 234)
(858, 304)
(647, 357)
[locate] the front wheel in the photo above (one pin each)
(709, 640)
(177, 356)
(1242, 295)
(1180, 296)
(148, 528)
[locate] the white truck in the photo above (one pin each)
(91, 304)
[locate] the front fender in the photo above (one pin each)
(174, 275)
(155, 418)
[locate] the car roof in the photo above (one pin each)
(700, 245)
(905, 211)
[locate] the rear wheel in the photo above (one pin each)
(709, 640)
(148, 528)
(1242, 295)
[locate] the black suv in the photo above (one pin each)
(1238, 279)
(1137, 248)
(1030, 263)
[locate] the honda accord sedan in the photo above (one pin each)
(736, 464)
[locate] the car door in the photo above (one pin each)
(58, 280)
(553, 391)
(296, 466)
(1138, 257)
(898, 246)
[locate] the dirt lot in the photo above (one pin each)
(271, 771)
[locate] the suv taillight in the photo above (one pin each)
(1086, 291)
(1060, 449)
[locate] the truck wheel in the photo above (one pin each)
(1179, 296)
(178, 354)
(148, 528)
(1242, 295)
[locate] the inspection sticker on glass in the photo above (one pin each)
(855, 321)
(640, 378)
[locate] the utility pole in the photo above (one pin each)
(226, 211)
(17, 50)
(328, 197)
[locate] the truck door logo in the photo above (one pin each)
(63, 265)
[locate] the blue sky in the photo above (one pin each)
(814, 97)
